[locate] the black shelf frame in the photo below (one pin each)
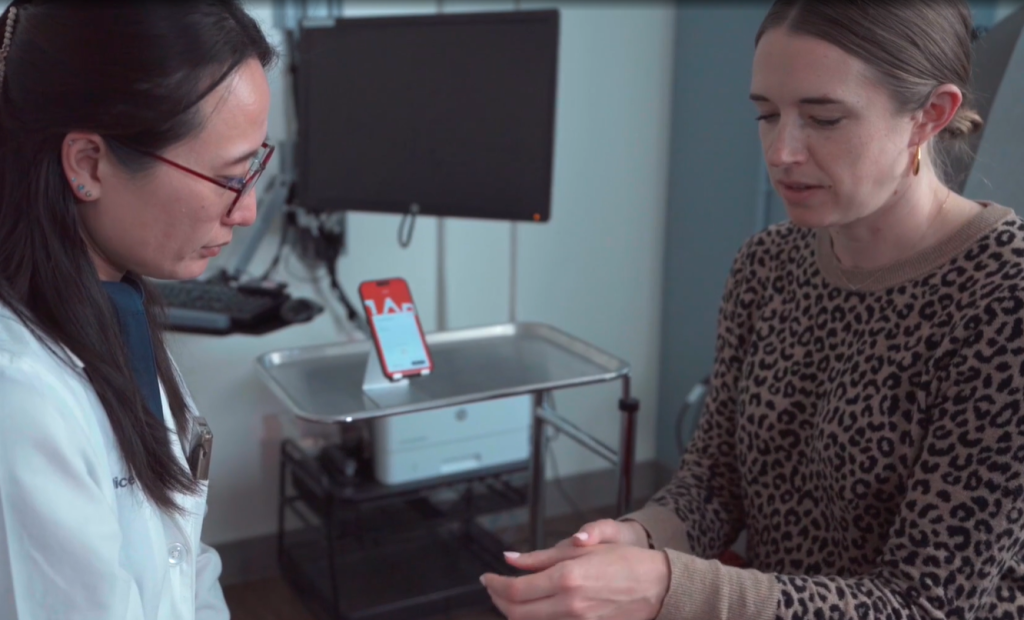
(367, 551)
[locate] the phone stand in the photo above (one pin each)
(374, 379)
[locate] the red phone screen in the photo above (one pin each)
(396, 328)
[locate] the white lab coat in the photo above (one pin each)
(78, 538)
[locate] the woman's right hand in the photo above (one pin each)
(608, 531)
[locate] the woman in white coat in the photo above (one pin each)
(131, 134)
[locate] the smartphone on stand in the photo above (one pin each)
(396, 329)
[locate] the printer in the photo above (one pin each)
(441, 442)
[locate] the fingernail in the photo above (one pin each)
(582, 535)
(512, 554)
(482, 582)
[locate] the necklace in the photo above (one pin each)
(881, 270)
(859, 286)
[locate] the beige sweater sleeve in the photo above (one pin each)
(665, 530)
(708, 590)
(704, 589)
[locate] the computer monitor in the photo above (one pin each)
(443, 114)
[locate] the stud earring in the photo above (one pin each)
(81, 188)
(88, 194)
(74, 180)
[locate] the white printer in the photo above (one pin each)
(441, 442)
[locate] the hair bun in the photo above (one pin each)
(965, 123)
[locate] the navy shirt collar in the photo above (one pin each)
(128, 300)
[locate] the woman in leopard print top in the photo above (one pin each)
(864, 422)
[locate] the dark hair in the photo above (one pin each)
(913, 46)
(133, 72)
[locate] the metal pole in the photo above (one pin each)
(537, 452)
(628, 407)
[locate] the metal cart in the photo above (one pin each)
(342, 383)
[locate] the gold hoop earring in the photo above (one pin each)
(917, 162)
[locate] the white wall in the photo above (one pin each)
(594, 270)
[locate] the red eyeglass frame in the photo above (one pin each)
(247, 184)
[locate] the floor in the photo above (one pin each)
(273, 599)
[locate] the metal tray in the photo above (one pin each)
(324, 383)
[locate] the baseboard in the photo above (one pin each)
(253, 559)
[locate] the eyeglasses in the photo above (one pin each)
(240, 186)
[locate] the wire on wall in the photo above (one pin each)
(513, 257)
(580, 514)
(282, 242)
(442, 280)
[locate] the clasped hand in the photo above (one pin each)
(605, 571)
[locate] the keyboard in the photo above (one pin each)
(217, 307)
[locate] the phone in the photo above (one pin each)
(396, 329)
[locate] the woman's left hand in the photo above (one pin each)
(608, 581)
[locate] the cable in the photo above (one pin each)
(696, 394)
(442, 276)
(553, 435)
(285, 229)
(513, 273)
(330, 261)
(513, 258)
(312, 276)
(581, 515)
(327, 241)
(332, 273)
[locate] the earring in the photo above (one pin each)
(88, 194)
(917, 161)
(81, 188)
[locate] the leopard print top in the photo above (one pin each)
(871, 441)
